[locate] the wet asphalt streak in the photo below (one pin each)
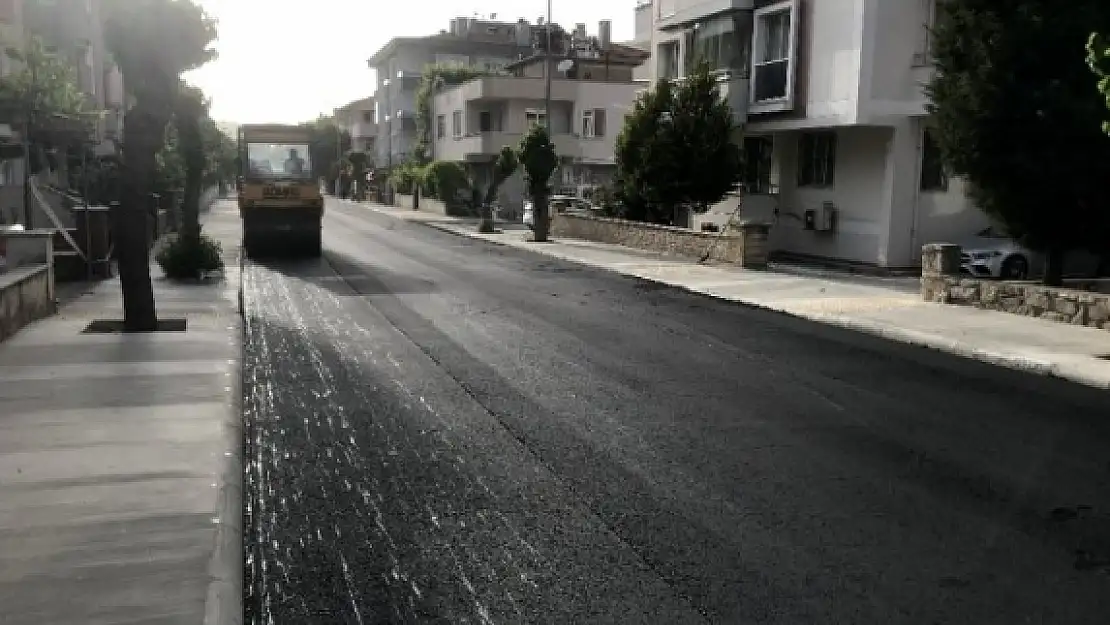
(444, 431)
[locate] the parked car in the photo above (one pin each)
(992, 254)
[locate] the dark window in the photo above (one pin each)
(933, 176)
(817, 159)
(758, 152)
(485, 121)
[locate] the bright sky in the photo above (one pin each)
(290, 60)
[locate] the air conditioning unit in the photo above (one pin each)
(821, 219)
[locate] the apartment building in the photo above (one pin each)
(592, 90)
(75, 28)
(830, 96)
(400, 63)
(358, 119)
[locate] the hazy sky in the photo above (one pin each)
(288, 61)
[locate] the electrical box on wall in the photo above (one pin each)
(821, 219)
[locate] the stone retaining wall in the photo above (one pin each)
(941, 282)
(743, 244)
(26, 295)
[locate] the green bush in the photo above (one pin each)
(406, 177)
(444, 179)
(185, 259)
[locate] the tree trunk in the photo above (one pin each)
(542, 224)
(131, 220)
(1054, 268)
(192, 152)
(485, 212)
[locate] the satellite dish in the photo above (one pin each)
(565, 65)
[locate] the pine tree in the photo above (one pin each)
(1014, 113)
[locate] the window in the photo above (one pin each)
(441, 126)
(668, 60)
(368, 116)
(457, 124)
(664, 8)
(817, 159)
(535, 117)
(758, 155)
(933, 175)
(773, 55)
(460, 60)
(593, 123)
(723, 42)
(485, 121)
(7, 11)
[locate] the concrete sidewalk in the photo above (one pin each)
(120, 461)
(887, 307)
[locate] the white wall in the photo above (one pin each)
(895, 31)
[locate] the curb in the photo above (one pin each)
(891, 333)
(224, 597)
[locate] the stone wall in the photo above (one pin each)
(427, 204)
(26, 294)
(743, 244)
(942, 283)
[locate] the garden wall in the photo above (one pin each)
(744, 244)
(941, 282)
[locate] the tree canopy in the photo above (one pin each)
(1098, 57)
(1014, 112)
(677, 148)
(43, 84)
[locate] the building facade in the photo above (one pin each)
(830, 96)
(399, 66)
(358, 119)
(592, 90)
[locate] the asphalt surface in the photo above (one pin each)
(441, 430)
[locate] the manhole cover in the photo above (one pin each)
(115, 326)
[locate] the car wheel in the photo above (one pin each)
(1015, 268)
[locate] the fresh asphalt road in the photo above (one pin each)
(441, 430)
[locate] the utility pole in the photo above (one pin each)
(547, 72)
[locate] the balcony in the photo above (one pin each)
(517, 88)
(680, 13)
(483, 146)
(363, 129)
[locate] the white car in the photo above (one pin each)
(992, 254)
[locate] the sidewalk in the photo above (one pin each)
(888, 307)
(120, 461)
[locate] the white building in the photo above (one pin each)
(358, 119)
(830, 96)
(592, 90)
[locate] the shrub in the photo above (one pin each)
(444, 180)
(189, 259)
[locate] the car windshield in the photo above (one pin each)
(279, 161)
(990, 233)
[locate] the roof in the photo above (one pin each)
(439, 40)
(355, 104)
(617, 54)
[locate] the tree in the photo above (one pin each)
(154, 42)
(677, 148)
(1013, 113)
(328, 148)
(44, 94)
(1098, 57)
(539, 160)
(504, 167)
(191, 108)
